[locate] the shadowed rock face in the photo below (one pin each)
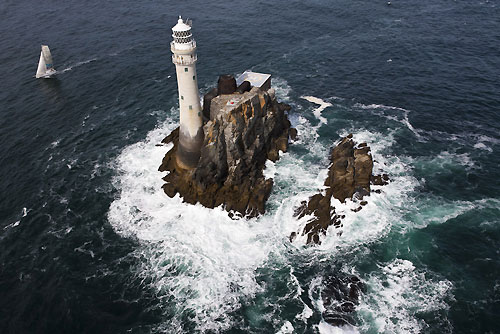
(243, 131)
(349, 176)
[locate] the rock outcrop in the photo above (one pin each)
(349, 176)
(242, 131)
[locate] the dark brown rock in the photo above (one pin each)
(207, 100)
(340, 296)
(357, 209)
(172, 137)
(348, 177)
(380, 180)
(239, 137)
(293, 134)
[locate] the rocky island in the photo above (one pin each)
(244, 126)
(220, 150)
(349, 178)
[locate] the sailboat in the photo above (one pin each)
(45, 65)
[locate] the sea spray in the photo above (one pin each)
(206, 266)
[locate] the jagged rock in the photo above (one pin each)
(172, 137)
(242, 132)
(380, 180)
(340, 296)
(348, 177)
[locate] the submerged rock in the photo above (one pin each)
(349, 177)
(243, 130)
(340, 297)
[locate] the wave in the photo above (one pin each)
(397, 294)
(444, 162)
(404, 120)
(24, 213)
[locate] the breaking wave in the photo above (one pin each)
(398, 295)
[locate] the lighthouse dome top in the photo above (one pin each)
(181, 26)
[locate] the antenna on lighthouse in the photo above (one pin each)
(184, 57)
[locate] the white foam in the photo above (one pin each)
(69, 68)
(383, 210)
(404, 120)
(378, 106)
(483, 146)
(16, 223)
(445, 159)
(24, 213)
(325, 328)
(198, 256)
(487, 139)
(287, 328)
(306, 313)
(434, 211)
(322, 106)
(282, 89)
(201, 262)
(396, 294)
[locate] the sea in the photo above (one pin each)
(89, 242)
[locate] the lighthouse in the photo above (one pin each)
(184, 57)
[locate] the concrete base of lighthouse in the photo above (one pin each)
(188, 151)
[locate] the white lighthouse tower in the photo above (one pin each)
(184, 57)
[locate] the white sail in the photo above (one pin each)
(47, 56)
(40, 72)
(45, 65)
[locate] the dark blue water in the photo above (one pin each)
(90, 244)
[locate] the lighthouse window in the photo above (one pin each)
(194, 78)
(185, 69)
(190, 107)
(182, 97)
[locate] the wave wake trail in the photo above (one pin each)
(69, 68)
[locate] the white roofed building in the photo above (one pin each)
(260, 80)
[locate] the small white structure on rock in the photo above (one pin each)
(184, 57)
(259, 80)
